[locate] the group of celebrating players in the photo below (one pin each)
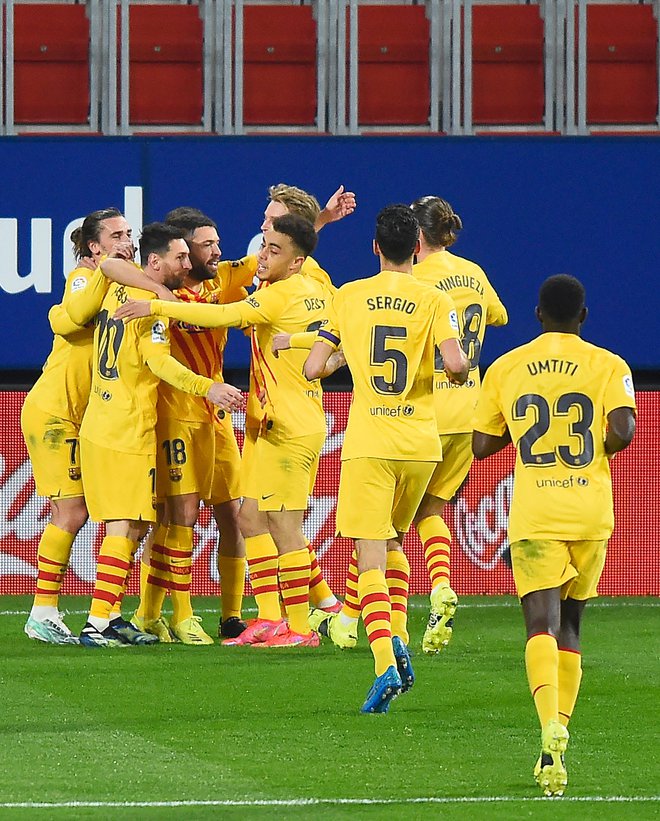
(130, 423)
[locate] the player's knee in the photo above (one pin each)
(69, 514)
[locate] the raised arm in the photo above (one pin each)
(340, 205)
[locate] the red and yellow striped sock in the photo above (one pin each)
(397, 576)
(542, 664)
(52, 561)
(376, 614)
(232, 580)
(115, 613)
(569, 678)
(154, 577)
(112, 569)
(436, 541)
(178, 549)
(294, 568)
(351, 606)
(320, 594)
(262, 565)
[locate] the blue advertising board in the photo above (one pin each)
(531, 207)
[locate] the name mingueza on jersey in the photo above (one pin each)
(542, 366)
(460, 281)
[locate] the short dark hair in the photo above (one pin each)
(397, 232)
(300, 230)
(90, 230)
(561, 298)
(189, 219)
(156, 238)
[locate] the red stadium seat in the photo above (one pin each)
(166, 79)
(279, 71)
(507, 70)
(622, 72)
(393, 65)
(51, 79)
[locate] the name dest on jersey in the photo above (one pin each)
(460, 281)
(563, 366)
(388, 303)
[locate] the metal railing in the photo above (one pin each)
(337, 68)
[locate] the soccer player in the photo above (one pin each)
(568, 407)
(292, 426)
(388, 325)
(51, 417)
(117, 434)
(198, 457)
(477, 306)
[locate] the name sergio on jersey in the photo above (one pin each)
(385, 303)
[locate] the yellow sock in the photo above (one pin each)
(351, 606)
(293, 573)
(112, 569)
(397, 576)
(320, 594)
(232, 580)
(178, 548)
(436, 541)
(262, 564)
(52, 560)
(154, 577)
(542, 663)
(570, 676)
(376, 614)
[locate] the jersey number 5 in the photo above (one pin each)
(111, 333)
(381, 355)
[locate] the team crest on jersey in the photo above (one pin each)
(220, 414)
(78, 284)
(158, 332)
(74, 474)
(176, 474)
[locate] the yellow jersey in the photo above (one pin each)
(388, 326)
(202, 349)
(554, 394)
(255, 413)
(477, 306)
(64, 385)
(128, 361)
(293, 406)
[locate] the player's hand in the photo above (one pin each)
(281, 342)
(225, 396)
(340, 205)
(261, 396)
(87, 262)
(123, 250)
(133, 309)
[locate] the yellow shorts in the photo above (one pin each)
(54, 451)
(279, 472)
(379, 497)
(542, 564)
(118, 485)
(184, 461)
(450, 474)
(225, 484)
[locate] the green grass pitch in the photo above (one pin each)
(133, 733)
